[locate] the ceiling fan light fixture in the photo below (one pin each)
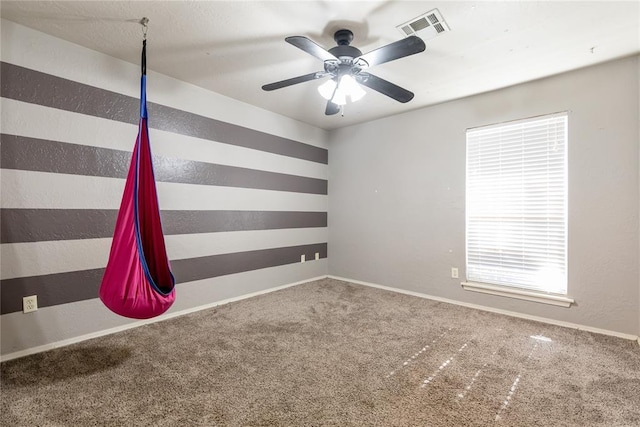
(351, 88)
(326, 89)
(348, 87)
(339, 98)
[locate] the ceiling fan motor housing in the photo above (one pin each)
(346, 51)
(345, 54)
(344, 65)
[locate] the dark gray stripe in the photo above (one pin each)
(188, 270)
(35, 87)
(32, 154)
(36, 225)
(51, 289)
(63, 288)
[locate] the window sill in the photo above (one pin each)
(518, 293)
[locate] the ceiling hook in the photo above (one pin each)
(144, 21)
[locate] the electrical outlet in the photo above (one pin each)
(317, 256)
(454, 273)
(302, 258)
(29, 303)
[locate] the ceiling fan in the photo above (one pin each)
(346, 66)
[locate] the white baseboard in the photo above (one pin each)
(138, 323)
(495, 310)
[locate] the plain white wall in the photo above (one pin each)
(397, 194)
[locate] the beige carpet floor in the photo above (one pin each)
(330, 353)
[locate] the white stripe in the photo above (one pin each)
(38, 51)
(53, 124)
(38, 258)
(43, 190)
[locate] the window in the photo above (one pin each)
(517, 205)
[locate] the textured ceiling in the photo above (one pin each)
(234, 47)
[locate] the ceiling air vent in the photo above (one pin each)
(425, 26)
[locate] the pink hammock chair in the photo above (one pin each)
(138, 282)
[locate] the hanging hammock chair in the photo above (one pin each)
(138, 282)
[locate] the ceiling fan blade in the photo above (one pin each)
(311, 47)
(293, 81)
(396, 50)
(385, 87)
(331, 108)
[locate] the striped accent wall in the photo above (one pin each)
(233, 199)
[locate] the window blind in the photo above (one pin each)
(516, 204)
